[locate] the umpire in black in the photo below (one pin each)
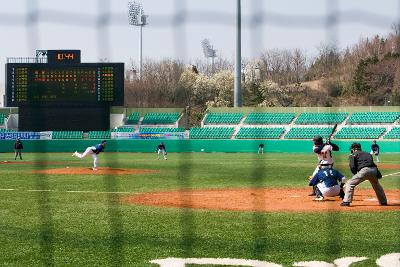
(18, 149)
(363, 167)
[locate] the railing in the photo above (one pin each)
(26, 60)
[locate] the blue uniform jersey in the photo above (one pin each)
(329, 177)
(375, 148)
(98, 148)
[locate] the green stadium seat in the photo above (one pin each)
(321, 118)
(161, 130)
(99, 135)
(67, 135)
(123, 130)
(269, 118)
(160, 118)
(373, 117)
(211, 133)
(393, 134)
(360, 133)
(2, 118)
(223, 118)
(308, 132)
(260, 133)
(133, 118)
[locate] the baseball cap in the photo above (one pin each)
(355, 146)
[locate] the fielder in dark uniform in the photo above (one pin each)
(375, 150)
(363, 167)
(261, 149)
(18, 149)
(161, 150)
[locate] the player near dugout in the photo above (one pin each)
(94, 151)
(18, 149)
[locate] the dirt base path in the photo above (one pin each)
(264, 199)
(381, 166)
(101, 171)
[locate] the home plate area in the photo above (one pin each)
(263, 200)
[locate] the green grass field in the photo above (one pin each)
(42, 222)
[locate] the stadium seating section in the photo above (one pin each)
(67, 135)
(321, 118)
(255, 125)
(393, 134)
(99, 135)
(123, 130)
(269, 118)
(2, 118)
(160, 118)
(133, 118)
(360, 133)
(223, 118)
(373, 117)
(260, 133)
(160, 130)
(211, 133)
(308, 132)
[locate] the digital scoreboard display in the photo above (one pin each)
(52, 84)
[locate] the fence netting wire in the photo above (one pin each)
(105, 18)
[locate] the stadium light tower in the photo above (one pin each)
(209, 52)
(138, 18)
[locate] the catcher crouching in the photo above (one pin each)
(327, 182)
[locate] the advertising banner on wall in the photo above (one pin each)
(26, 135)
(130, 135)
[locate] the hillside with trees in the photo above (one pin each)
(367, 73)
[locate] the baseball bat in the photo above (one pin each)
(333, 130)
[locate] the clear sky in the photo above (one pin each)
(73, 24)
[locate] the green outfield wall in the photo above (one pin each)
(246, 146)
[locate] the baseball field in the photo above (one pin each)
(228, 209)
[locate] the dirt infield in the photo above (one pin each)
(264, 200)
(384, 166)
(381, 166)
(104, 170)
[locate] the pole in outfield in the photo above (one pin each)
(237, 90)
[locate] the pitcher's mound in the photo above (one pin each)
(264, 199)
(103, 170)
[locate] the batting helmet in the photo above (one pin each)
(318, 140)
(355, 146)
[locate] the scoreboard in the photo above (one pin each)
(77, 83)
(56, 92)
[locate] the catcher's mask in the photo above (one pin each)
(355, 146)
(318, 140)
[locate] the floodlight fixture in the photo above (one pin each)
(208, 49)
(209, 52)
(137, 17)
